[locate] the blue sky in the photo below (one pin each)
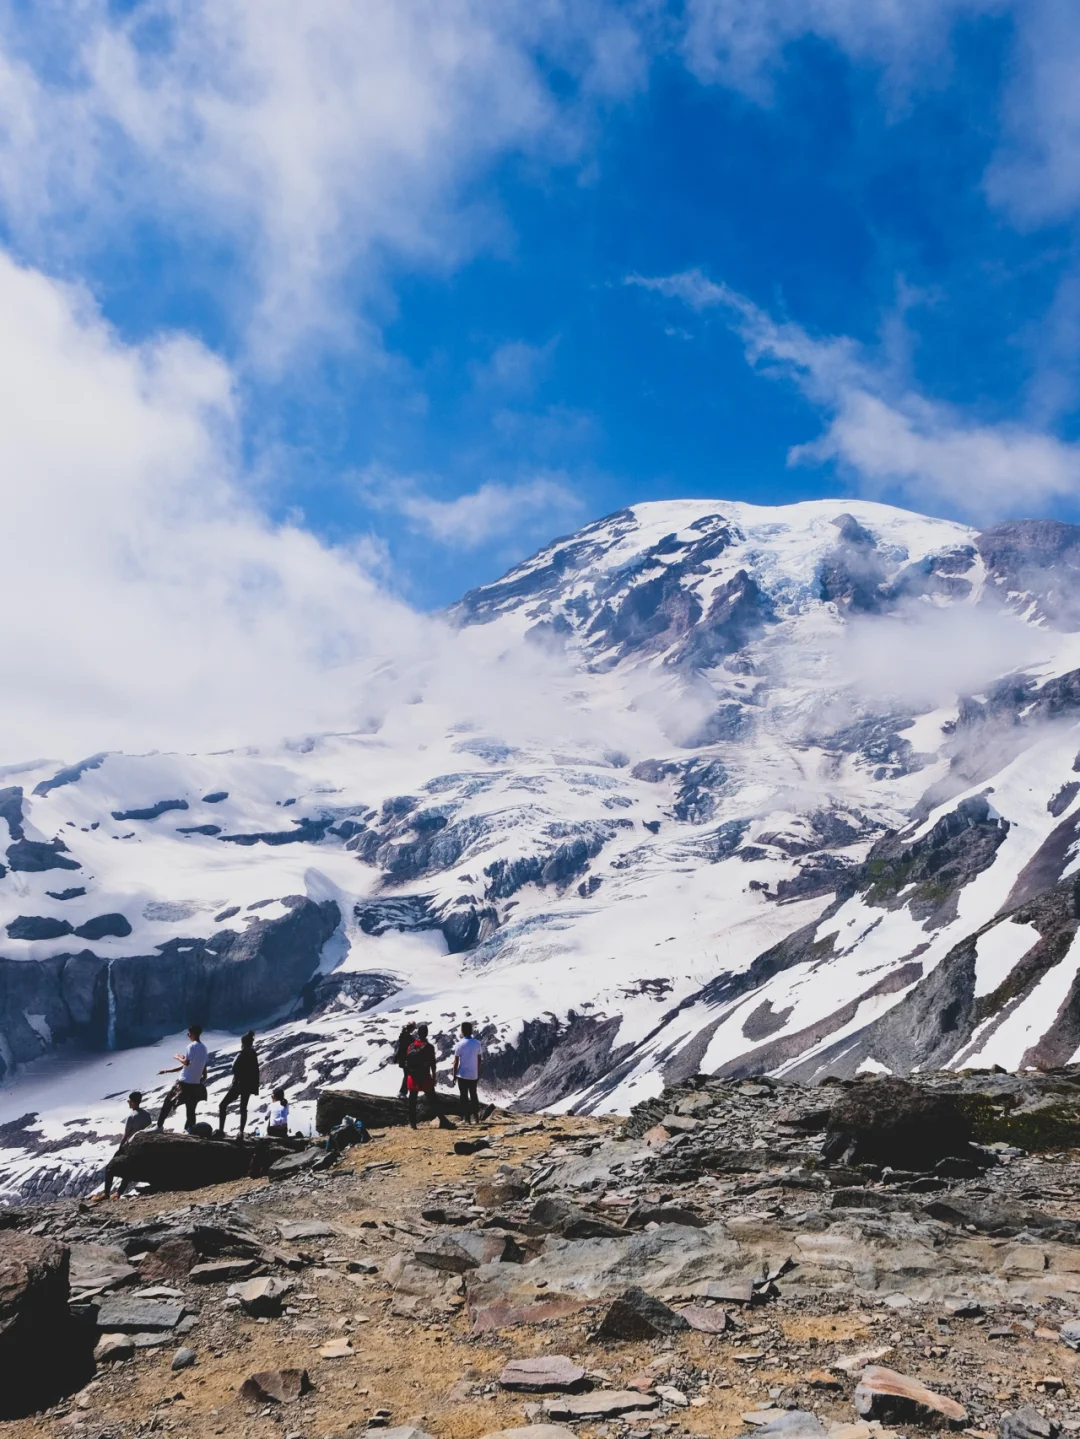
(405, 288)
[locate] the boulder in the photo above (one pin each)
(262, 1298)
(1027, 1423)
(376, 1111)
(276, 1386)
(34, 1322)
(550, 1373)
(637, 1315)
(180, 1161)
(891, 1122)
(471, 1146)
(184, 1358)
(887, 1395)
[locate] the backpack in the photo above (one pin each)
(417, 1065)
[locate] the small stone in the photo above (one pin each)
(887, 1394)
(471, 1146)
(821, 1379)
(337, 1349)
(183, 1358)
(275, 1386)
(1069, 1334)
(532, 1431)
(671, 1395)
(111, 1348)
(855, 1363)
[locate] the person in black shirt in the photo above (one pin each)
(137, 1120)
(404, 1039)
(245, 1082)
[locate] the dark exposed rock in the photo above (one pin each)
(889, 1121)
(75, 892)
(376, 1111)
(103, 926)
(307, 831)
(1064, 797)
(11, 802)
(72, 774)
(34, 856)
(853, 573)
(738, 613)
(1036, 558)
(215, 797)
(1027, 1423)
(207, 829)
(275, 1386)
(37, 926)
(351, 990)
(159, 807)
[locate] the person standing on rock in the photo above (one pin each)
(468, 1063)
(404, 1039)
(137, 1120)
(190, 1088)
(419, 1070)
(245, 1083)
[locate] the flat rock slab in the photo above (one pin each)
(664, 1214)
(886, 1394)
(600, 1404)
(262, 1298)
(98, 1266)
(278, 1386)
(134, 1316)
(221, 1271)
(532, 1431)
(705, 1321)
(790, 1424)
(305, 1229)
(727, 1291)
(549, 1373)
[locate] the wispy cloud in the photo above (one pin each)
(323, 142)
(890, 437)
(492, 512)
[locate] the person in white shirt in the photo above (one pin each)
(190, 1088)
(468, 1064)
(279, 1115)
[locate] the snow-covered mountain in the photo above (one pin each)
(785, 789)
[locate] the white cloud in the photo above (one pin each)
(890, 437)
(149, 605)
(492, 512)
(319, 141)
(743, 44)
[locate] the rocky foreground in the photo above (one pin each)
(848, 1260)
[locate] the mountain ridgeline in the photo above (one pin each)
(818, 814)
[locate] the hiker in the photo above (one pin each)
(404, 1039)
(190, 1088)
(138, 1119)
(419, 1070)
(278, 1128)
(468, 1062)
(245, 1083)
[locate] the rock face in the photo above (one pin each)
(34, 1322)
(228, 979)
(180, 1161)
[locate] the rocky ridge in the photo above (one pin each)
(728, 1259)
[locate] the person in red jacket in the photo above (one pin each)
(419, 1070)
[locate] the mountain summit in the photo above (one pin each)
(788, 790)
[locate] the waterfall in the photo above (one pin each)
(110, 1026)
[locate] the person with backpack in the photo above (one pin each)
(190, 1089)
(245, 1083)
(404, 1039)
(419, 1070)
(468, 1062)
